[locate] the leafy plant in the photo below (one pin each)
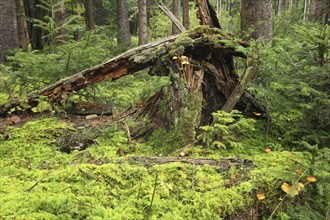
(226, 130)
(293, 82)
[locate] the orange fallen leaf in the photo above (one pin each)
(261, 196)
(311, 179)
(298, 171)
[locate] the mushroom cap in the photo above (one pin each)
(311, 179)
(267, 150)
(285, 187)
(261, 196)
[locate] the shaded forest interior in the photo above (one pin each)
(199, 60)
(136, 109)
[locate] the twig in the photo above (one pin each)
(88, 175)
(128, 133)
(153, 196)
(84, 203)
(268, 118)
(32, 187)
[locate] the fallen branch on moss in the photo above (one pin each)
(223, 164)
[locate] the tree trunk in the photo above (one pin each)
(206, 14)
(281, 7)
(219, 6)
(257, 14)
(8, 27)
(59, 12)
(317, 10)
(176, 12)
(306, 9)
(35, 33)
(228, 6)
(292, 4)
(186, 19)
(23, 37)
(143, 22)
(89, 15)
(122, 15)
(327, 16)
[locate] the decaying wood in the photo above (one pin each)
(239, 88)
(126, 63)
(206, 14)
(222, 164)
(208, 72)
(172, 17)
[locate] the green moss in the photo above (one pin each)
(39, 182)
(181, 122)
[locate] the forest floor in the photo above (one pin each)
(40, 181)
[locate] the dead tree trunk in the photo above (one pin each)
(126, 63)
(200, 68)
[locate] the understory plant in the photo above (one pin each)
(226, 130)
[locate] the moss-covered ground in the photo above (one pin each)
(38, 181)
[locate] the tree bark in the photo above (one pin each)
(176, 12)
(143, 22)
(281, 7)
(206, 14)
(59, 12)
(228, 6)
(257, 14)
(122, 15)
(89, 15)
(327, 16)
(219, 6)
(186, 19)
(317, 11)
(293, 3)
(35, 33)
(8, 27)
(306, 9)
(23, 37)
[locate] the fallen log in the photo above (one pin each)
(191, 43)
(222, 164)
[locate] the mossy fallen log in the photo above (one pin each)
(222, 164)
(199, 42)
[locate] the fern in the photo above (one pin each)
(227, 130)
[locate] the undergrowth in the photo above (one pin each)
(40, 181)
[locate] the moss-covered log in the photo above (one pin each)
(223, 164)
(199, 42)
